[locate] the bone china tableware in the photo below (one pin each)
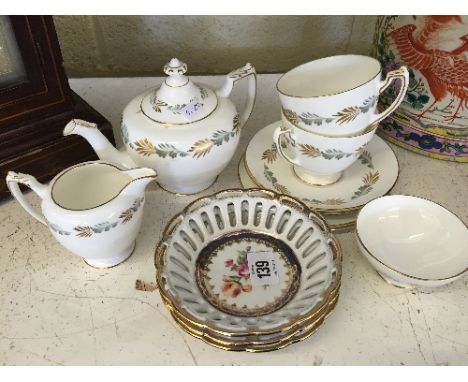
(208, 268)
(412, 241)
(186, 132)
(260, 343)
(337, 95)
(338, 223)
(94, 209)
(372, 175)
(320, 159)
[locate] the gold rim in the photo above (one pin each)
(335, 228)
(313, 184)
(253, 339)
(195, 193)
(343, 228)
(88, 164)
(159, 260)
(161, 248)
(180, 86)
(307, 330)
(115, 265)
(332, 211)
(395, 270)
(332, 227)
(331, 94)
(171, 124)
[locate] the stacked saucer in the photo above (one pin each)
(324, 150)
(249, 270)
(372, 175)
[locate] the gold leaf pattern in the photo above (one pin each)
(158, 104)
(281, 189)
(84, 231)
(371, 178)
(201, 148)
(309, 150)
(347, 115)
(291, 116)
(236, 124)
(145, 147)
(270, 154)
(361, 149)
(126, 216)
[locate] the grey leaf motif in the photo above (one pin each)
(335, 154)
(366, 159)
(165, 149)
(221, 136)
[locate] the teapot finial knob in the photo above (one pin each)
(175, 67)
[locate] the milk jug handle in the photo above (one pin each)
(12, 180)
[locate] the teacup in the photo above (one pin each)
(338, 95)
(320, 159)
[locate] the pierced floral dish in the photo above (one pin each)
(372, 175)
(244, 263)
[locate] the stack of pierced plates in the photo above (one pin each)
(249, 270)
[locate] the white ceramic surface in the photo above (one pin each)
(319, 159)
(187, 133)
(94, 209)
(337, 223)
(372, 175)
(412, 241)
(203, 268)
(337, 95)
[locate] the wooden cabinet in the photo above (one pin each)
(36, 102)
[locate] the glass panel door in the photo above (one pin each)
(12, 69)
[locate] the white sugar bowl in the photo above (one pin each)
(412, 241)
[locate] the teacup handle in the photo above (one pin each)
(280, 130)
(12, 180)
(401, 74)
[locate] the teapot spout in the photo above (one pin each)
(141, 177)
(103, 148)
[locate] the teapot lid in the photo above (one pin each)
(178, 101)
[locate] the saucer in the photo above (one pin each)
(372, 175)
(338, 223)
(258, 343)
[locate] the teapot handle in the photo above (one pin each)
(12, 180)
(246, 71)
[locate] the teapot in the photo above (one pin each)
(187, 132)
(94, 209)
